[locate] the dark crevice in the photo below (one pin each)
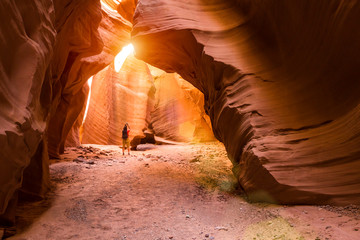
(297, 141)
(258, 77)
(256, 113)
(285, 130)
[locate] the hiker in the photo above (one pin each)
(125, 138)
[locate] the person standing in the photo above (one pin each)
(125, 138)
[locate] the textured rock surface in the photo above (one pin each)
(280, 84)
(89, 39)
(178, 112)
(74, 137)
(117, 98)
(48, 51)
(27, 34)
(78, 41)
(169, 107)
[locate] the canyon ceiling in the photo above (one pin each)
(279, 79)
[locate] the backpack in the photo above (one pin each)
(124, 133)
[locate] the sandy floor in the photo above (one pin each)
(166, 192)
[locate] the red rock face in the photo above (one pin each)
(114, 32)
(166, 106)
(280, 85)
(279, 80)
(48, 51)
(27, 34)
(117, 98)
(178, 112)
(75, 135)
(81, 51)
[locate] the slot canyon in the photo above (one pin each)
(244, 119)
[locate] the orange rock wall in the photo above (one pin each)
(279, 78)
(48, 51)
(27, 34)
(280, 85)
(168, 106)
(117, 98)
(90, 36)
(74, 137)
(178, 112)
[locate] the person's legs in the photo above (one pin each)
(123, 147)
(128, 146)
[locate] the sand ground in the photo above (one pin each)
(166, 192)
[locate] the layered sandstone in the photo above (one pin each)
(48, 51)
(178, 112)
(27, 34)
(159, 104)
(74, 137)
(90, 34)
(280, 86)
(117, 98)
(279, 80)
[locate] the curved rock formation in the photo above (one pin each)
(74, 137)
(48, 51)
(27, 34)
(88, 40)
(117, 98)
(114, 29)
(167, 107)
(178, 112)
(279, 80)
(280, 85)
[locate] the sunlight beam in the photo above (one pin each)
(107, 7)
(89, 82)
(122, 55)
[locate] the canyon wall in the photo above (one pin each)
(279, 79)
(48, 51)
(178, 112)
(27, 34)
(162, 105)
(117, 98)
(90, 35)
(280, 83)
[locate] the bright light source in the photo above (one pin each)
(108, 7)
(89, 82)
(122, 55)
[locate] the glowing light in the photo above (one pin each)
(122, 55)
(89, 82)
(117, 2)
(108, 7)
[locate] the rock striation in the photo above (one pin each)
(117, 98)
(162, 104)
(280, 85)
(279, 79)
(27, 34)
(48, 51)
(90, 34)
(178, 113)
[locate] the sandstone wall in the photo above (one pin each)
(27, 34)
(48, 51)
(279, 80)
(117, 98)
(168, 107)
(74, 137)
(89, 35)
(114, 30)
(178, 112)
(280, 84)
